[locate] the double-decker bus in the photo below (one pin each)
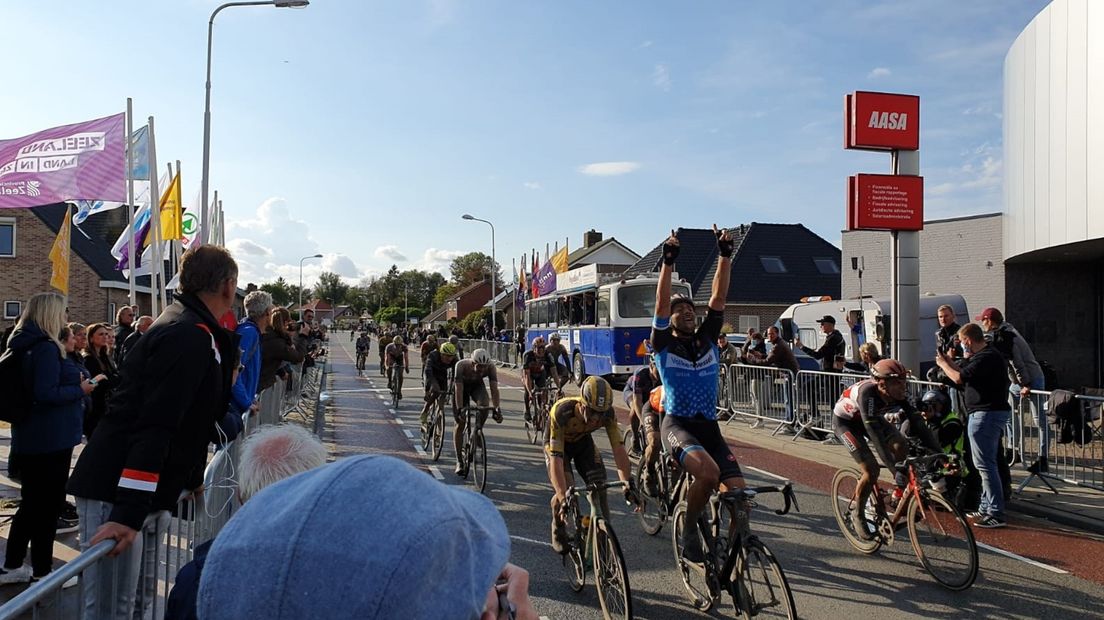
(602, 319)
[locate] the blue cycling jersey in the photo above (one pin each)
(688, 367)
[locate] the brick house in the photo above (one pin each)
(467, 300)
(773, 266)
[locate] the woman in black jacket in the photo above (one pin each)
(44, 440)
(97, 358)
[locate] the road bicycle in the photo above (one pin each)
(592, 543)
(940, 535)
(473, 450)
(394, 383)
(656, 508)
(542, 404)
(433, 431)
(736, 561)
(361, 359)
(633, 441)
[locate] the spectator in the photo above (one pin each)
(44, 440)
(152, 443)
(780, 356)
(1023, 370)
(269, 454)
(946, 341)
(68, 521)
(98, 362)
(258, 309)
(4, 336)
(754, 347)
(276, 348)
(868, 355)
(141, 326)
(124, 326)
(418, 549)
(985, 381)
(728, 353)
(833, 344)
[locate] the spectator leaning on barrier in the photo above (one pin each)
(44, 439)
(727, 352)
(276, 349)
(417, 549)
(269, 455)
(985, 381)
(258, 308)
(780, 356)
(833, 344)
(98, 362)
(152, 443)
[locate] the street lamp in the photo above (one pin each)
(301, 282)
(468, 216)
(406, 304)
(204, 223)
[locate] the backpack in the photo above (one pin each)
(17, 400)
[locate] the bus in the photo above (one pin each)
(603, 320)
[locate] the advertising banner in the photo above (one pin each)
(546, 279)
(83, 161)
(882, 121)
(886, 202)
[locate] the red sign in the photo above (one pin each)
(885, 202)
(882, 121)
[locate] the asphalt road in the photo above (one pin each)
(829, 578)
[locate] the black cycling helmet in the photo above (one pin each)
(682, 299)
(936, 402)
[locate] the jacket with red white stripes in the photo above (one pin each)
(151, 444)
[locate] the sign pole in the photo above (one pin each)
(905, 258)
(130, 201)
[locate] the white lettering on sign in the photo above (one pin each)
(888, 120)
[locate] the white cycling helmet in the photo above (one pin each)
(480, 356)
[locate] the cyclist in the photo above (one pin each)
(963, 488)
(568, 440)
(536, 366)
(468, 375)
(871, 409)
(636, 392)
(384, 340)
(398, 360)
(651, 417)
(435, 371)
(363, 345)
(454, 340)
(687, 359)
(558, 352)
(430, 344)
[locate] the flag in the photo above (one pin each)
(121, 249)
(546, 279)
(189, 224)
(83, 161)
(139, 144)
(59, 258)
(533, 277)
(559, 260)
(519, 299)
(171, 212)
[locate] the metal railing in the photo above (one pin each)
(1075, 456)
(763, 394)
(505, 353)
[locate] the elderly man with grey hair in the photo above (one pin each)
(269, 454)
(258, 308)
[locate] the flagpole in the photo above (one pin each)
(155, 224)
(178, 245)
(171, 249)
(209, 225)
(69, 249)
(221, 225)
(130, 199)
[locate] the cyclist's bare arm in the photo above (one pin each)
(494, 394)
(556, 475)
(663, 290)
(721, 275)
(621, 459)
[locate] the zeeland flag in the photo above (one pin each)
(83, 161)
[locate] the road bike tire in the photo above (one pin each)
(758, 585)
(943, 541)
(426, 431)
(573, 560)
(626, 440)
(611, 576)
(652, 514)
(531, 429)
(479, 461)
(695, 581)
(438, 432)
(844, 485)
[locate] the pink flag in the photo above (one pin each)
(84, 161)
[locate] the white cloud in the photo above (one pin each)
(245, 246)
(609, 168)
(531, 185)
(661, 77)
(390, 252)
(643, 45)
(438, 260)
(341, 265)
(878, 72)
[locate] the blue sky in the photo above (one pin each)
(363, 130)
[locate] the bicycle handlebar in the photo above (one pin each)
(596, 486)
(786, 490)
(923, 459)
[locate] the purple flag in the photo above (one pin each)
(84, 161)
(546, 279)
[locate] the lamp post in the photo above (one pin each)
(301, 282)
(406, 305)
(204, 222)
(468, 216)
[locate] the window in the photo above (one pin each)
(773, 264)
(827, 266)
(12, 309)
(636, 302)
(7, 237)
(749, 321)
(603, 307)
(111, 313)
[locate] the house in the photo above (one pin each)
(504, 304)
(610, 255)
(773, 266)
(437, 318)
(323, 311)
(467, 300)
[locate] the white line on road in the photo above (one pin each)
(765, 473)
(419, 450)
(1021, 558)
(531, 541)
(408, 434)
(436, 472)
(398, 420)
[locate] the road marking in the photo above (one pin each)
(1021, 558)
(354, 391)
(408, 434)
(399, 420)
(436, 472)
(531, 541)
(765, 473)
(419, 450)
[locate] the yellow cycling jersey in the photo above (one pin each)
(565, 425)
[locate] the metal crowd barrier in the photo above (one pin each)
(505, 353)
(1079, 461)
(762, 394)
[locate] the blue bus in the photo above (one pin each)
(603, 324)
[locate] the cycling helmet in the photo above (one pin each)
(935, 401)
(682, 299)
(397, 340)
(538, 342)
(454, 339)
(555, 337)
(481, 357)
(448, 349)
(597, 394)
(889, 369)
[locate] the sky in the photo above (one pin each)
(362, 130)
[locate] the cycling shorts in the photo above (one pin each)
(586, 456)
(539, 381)
(472, 392)
(434, 388)
(854, 434)
(562, 371)
(682, 435)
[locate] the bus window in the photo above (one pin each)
(604, 307)
(636, 302)
(576, 309)
(588, 308)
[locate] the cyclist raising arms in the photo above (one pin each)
(687, 360)
(871, 409)
(468, 377)
(556, 351)
(536, 365)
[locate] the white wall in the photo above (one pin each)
(1054, 129)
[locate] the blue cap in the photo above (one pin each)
(364, 537)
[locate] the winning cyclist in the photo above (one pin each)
(871, 409)
(468, 377)
(687, 359)
(568, 440)
(536, 366)
(398, 360)
(558, 352)
(435, 372)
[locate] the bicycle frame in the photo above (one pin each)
(572, 501)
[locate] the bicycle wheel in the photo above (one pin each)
(651, 513)
(693, 577)
(943, 541)
(573, 559)
(758, 585)
(531, 428)
(438, 431)
(610, 574)
(479, 461)
(630, 445)
(845, 485)
(427, 431)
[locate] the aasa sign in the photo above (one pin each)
(885, 202)
(882, 121)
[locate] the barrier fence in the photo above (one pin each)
(505, 353)
(170, 538)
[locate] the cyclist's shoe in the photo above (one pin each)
(858, 524)
(559, 538)
(461, 470)
(692, 547)
(497, 415)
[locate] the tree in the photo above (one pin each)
(280, 291)
(330, 287)
(474, 267)
(444, 292)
